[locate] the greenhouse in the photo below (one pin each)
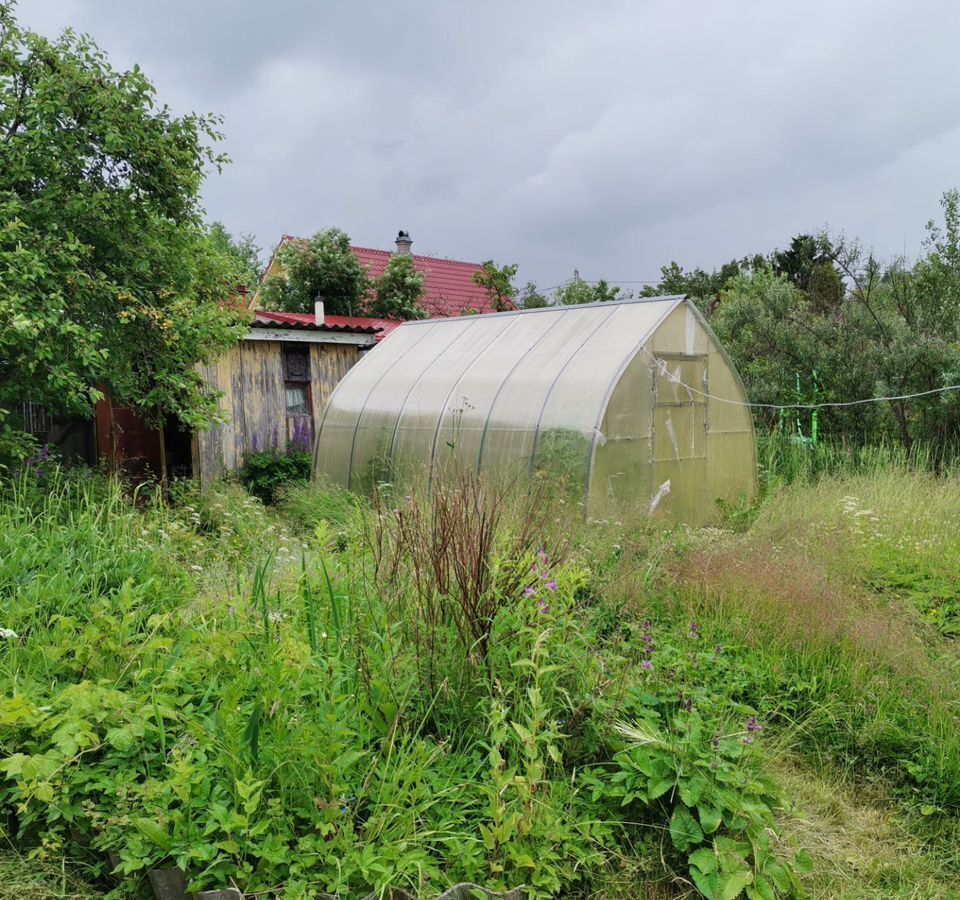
(630, 405)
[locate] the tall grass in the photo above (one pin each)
(856, 675)
(328, 697)
(783, 460)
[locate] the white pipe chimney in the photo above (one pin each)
(318, 312)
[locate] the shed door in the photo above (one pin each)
(678, 441)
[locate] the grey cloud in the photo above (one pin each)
(609, 137)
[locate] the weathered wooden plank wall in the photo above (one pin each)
(207, 445)
(328, 364)
(261, 395)
(251, 379)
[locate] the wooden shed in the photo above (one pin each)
(275, 382)
(273, 385)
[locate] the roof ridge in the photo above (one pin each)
(443, 259)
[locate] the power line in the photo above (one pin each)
(661, 364)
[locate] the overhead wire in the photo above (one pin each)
(827, 404)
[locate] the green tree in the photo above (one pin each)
(825, 287)
(579, 291)
(703, 287)
(802, 258)
(322, 267)
(531, 297)
(242, 251)
(869, 329)
(107, 274)
(498, 283)
(398, 291)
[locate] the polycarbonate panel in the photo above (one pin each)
(467, 407)
(508, 442)
(620, 476)
(680, 379)
(372, 454)
(569, 422)
(665, 445)
(431, 396)
(338, 425)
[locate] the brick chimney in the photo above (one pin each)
(404, 243)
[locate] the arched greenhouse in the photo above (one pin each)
(635, 403)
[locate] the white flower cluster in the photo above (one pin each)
(860, 516)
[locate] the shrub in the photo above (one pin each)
(264, 471)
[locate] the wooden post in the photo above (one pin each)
(163, 461)
(112, 464)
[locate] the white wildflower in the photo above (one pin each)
(8, 634)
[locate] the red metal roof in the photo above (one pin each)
(344, 324)
(448, 285)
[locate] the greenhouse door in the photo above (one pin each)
(678, 445)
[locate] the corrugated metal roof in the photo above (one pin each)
(448, 285)
(342, 324)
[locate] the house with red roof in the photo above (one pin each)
(449, 288)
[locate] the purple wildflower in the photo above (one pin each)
(646, 664)
(753, 724)
(551, 585)
(647, 639)
(529, 591)
(694, 629)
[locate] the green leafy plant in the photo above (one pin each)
(264, 472)
(497, 281)
(397, 293)
(322, 267)
(109, 274)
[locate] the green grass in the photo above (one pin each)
(28, 879)
(330, 697)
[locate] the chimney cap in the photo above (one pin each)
(404, 242)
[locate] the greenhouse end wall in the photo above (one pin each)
(610, 397)
(676, 430)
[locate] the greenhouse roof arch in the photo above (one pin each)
(633, 401)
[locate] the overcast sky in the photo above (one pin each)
(610, 137)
